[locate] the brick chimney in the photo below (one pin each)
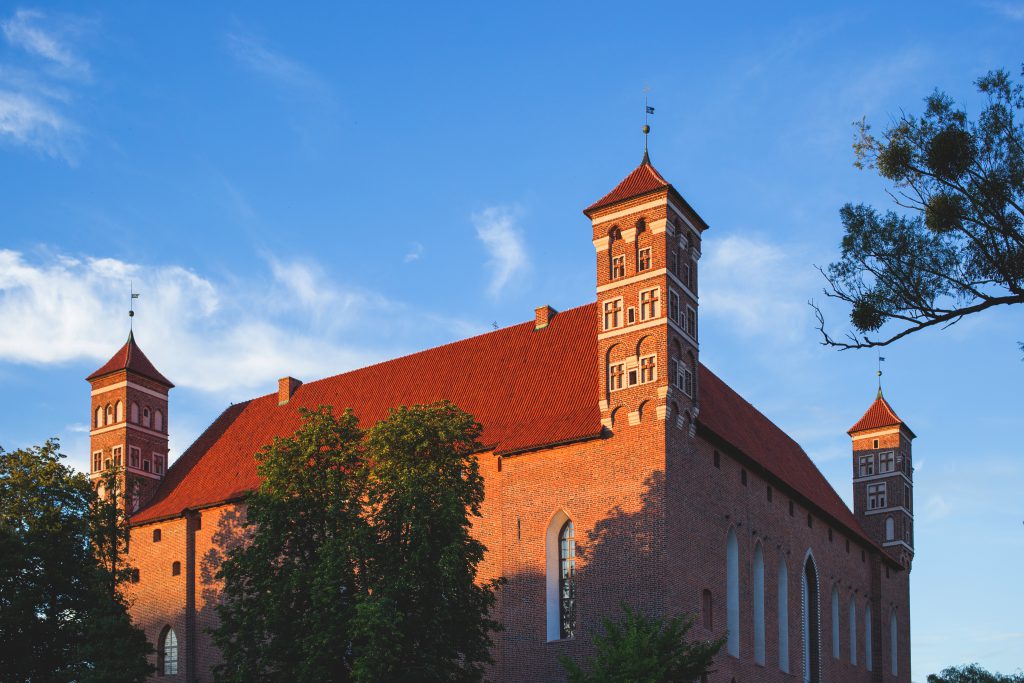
(286, 387)
(544, 315)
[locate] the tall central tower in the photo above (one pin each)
(647, 239)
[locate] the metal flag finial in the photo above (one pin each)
(131, 306)
(881, 359)
(648, 111)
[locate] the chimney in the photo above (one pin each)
(286, 387)
(544, 315)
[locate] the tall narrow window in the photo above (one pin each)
(732, 593)
(643, 259)
(615, 377)
(612, 314)
(119, 411)
(811, 623)
(707, 610)
(691, 322)
(134, 412)
(158, 421)
(758, 604)
(673, 306)
(133, 456)
(99, 417)
(894, 666)
(650, 304)
(835, 623)
(110, 414)
(97, 461)
(567, 581)
(890, 528)
(867, 636)
(618, 267)
(145, 417)
(168, 654)
(853, 632)
(783, 595)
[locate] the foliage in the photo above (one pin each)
(972, 673)
(62, 615)
(958, 246)
(360, 566)
(641, 649)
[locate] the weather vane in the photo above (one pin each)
(131, 305)
(648, 111)
(881, 359)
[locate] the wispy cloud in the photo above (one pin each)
(250, 51)
(496, 228)
(36, 94)
(1010, 10)
(227, 338)
(414, 253)
(936, 508)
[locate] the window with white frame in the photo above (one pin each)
(648, 368)
(867, 465)
(158, 463)
(618, 267)
(673, 306)
(886, 461)
(117, 456)
(684, 272)
(168, 654)
(876, 496)
(133, 456)
(612, 314)
(691, 322)
(97, 461)
(650, 303)
(643, 259)
(615, 372)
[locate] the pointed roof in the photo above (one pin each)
(130, 357)
(879, 415)
(643, 179)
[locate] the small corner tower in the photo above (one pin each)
(883, 479)
(647, 239)
(128, 423)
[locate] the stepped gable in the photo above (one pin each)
(879, 415)
(528, 388)
(130, 357)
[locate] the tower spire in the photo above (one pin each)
(648, 110)
(131, 307)
(881, 359)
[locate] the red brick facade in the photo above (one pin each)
(657, 475)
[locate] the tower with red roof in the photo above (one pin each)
(883, 479)
(128, 423)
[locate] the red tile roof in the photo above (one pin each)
(879, 415)
(528, 388)
(130, 357)
(644, 178)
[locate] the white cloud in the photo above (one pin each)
(496, 228)
(224, 338)
(23, 30)
(936, 508)
(250, 51)
(1010, 10)
(759, 287)
(415, 252)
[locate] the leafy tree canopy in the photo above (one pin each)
(641, 649)
(62, 615)
(972, 673)
(956, 247)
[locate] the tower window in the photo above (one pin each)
(157, 536)
(643, 260)
(648, 369)
(906, 496)
(650, 304)
(99, 417)
(769, 494)
(134, 412)
(685, 274)
(684, 378)
(875, 444)
(876, 496)
(618, 267)
(97, 461)
(631, 315)
(117, 456)
(615, 373)
(158, 421)
(673, 306)
(158, 464)
(886, 462)
(133, 456)
(145, 465)
(631, 377)
(175, 568)
(867, 465)
(613, 314)
(691, 322)
(890, 528)
(145, 417)
(718, 461)
(119, 411)
(110, 414)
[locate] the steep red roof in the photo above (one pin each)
(879, 415)
(644, 178)
(130, 357)
(507, 380)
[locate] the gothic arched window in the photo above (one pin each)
(890, 528)
(853, 632)
(560, 545)
(135, 412)
(110, 414)
(732, 593)
(99, 416)
(168, 653)
(867, 636)
(119, 411)
(893, 646)
(811, 622)
(158, 421)
(835, 622)
(783, 596)
(758, 604)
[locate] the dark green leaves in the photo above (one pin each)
(972, 673)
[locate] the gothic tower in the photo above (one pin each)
(128, 423)
(883, 479)
(647, 239)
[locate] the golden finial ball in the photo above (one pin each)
(647, 129)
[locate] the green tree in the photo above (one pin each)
(972, 673)
(957, 246)
(425, 615)
(62, 617)
(641, 649)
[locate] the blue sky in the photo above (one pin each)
(304, 191)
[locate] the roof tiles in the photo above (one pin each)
(644, 178)
(130, 357)
(879, 415)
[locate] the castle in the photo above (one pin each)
(618, 468)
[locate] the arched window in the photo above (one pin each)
(110, 414)
(894, 666)
(135, 412)
(158, 421)
(732, 593)
(99, 416)
(145, 417)
(168, 653)
(853, 632)
(759, 604)
(119, 411)
(561, 577)
(890, 528)
(867, 636)
(811, 622)
(783, 595)
(835, 622)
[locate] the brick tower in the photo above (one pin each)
(648, 242)
(128, 423)
(883, 479)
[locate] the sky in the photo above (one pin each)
(303, 191)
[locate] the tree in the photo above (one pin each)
(62, 617)
(642, 649)
(360, 565)
(972, 673)
(958, 246)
